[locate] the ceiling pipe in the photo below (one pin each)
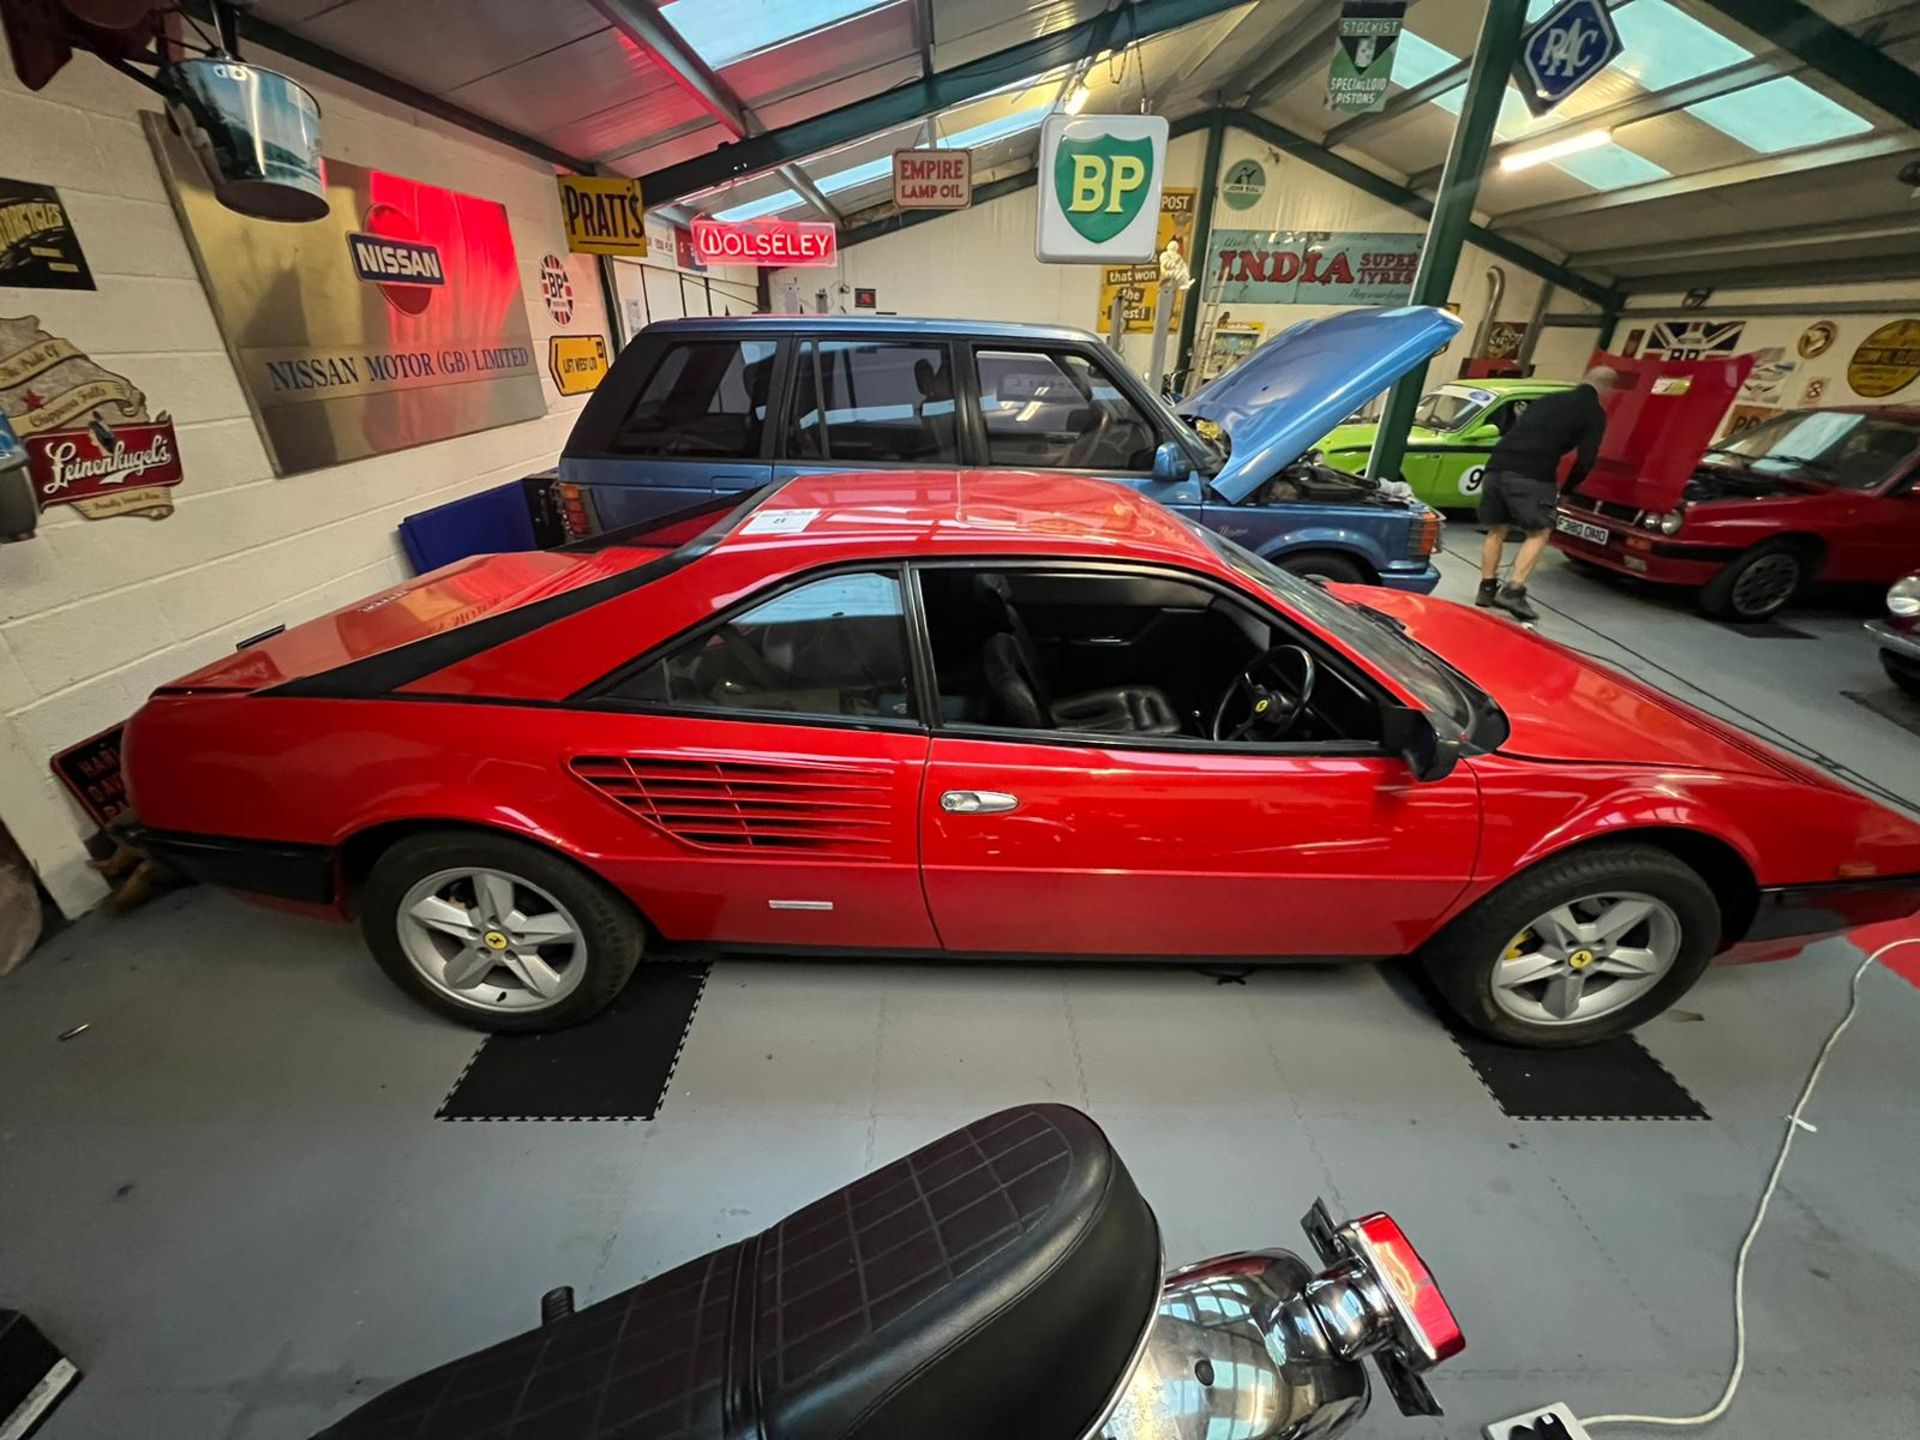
(1496, 292)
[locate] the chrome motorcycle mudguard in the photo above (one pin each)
(1234, 1352)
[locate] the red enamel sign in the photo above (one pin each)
(125, 470)
(764, 242)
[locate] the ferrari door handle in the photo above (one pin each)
(978, 802)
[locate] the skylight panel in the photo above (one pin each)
(1776, 115)
(1611, 167)
(723, 31)
(1416, 60)
(1664, 47)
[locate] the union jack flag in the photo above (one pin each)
(1694, 339)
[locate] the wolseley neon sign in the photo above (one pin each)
(764, 242)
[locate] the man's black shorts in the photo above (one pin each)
(1520, 501)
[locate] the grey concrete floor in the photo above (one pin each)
(230, 1201)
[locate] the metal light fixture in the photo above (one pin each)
(1556, 150)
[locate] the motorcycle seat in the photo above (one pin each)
(997, 1282)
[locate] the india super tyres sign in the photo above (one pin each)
(1311, 267)
(397, 320)
(1572, 43)
(1100, 180)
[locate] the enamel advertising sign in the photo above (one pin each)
(1100, 182)
(932, 179)
(1312, 267)
(604, 215)
(397, 320)
(770, 243)
(38, 249)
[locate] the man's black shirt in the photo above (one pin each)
(1553, 425)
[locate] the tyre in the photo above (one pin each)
(1578, 948)
(1756, 585)
(1323, 565)
(1903, 672)
(496, 933)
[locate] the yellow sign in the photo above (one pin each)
(603, 214)
(1141, 283)
(576, 362)
(1887, 360)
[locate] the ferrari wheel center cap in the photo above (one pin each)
(1580, 959)
(495, 940)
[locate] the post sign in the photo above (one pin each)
(603, 214)
(1363, 54)
(932, 179)
(576, 362)
(1572, 43)
(1140, 284)
(771, 243)
(397, 320)
(1100, 181)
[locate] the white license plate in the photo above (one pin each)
(1593, 534)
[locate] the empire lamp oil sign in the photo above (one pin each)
(1100, 182)
(604, 215)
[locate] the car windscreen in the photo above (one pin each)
(1372, 635)
(1447, 409)
(1839, 447)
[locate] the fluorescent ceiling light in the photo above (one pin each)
(1556, 150)
(1077, 101)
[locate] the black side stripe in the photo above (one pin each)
(379, 675)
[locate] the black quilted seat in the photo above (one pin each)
(992, 1284)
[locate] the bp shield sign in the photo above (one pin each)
(1572, 43)
(1100, 178)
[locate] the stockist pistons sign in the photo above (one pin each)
(771, 243)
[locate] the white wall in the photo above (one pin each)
(95, 613)
(978, 264)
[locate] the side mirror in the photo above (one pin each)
(1409, 733)
(1483, 435)
(1170, 462)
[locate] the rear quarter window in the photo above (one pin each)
(703, 400)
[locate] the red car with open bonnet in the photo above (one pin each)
(987, 714)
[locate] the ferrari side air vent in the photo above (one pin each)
(796, 806)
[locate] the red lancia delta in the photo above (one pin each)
(987, 714)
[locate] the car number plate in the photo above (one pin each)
(1593, 534)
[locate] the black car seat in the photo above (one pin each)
(994, 1283)
(1118, 710)
(934, 408)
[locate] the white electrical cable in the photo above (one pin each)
(1794, 1126)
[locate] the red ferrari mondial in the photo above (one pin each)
(983, 715)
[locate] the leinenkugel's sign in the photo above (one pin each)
(772, 243)
(395, 321)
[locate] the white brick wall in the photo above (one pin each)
(94, 614)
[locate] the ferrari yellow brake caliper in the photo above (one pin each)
(1518, 947)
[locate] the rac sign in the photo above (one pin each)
(1100, 183)
(1570, 44)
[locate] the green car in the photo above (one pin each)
(1454, 430)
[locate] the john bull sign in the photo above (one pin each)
(1311, 267)
(397, 320)
(1100, 182)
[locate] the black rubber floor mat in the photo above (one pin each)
(1613, 1080)
(617, 1066)
(1889, 705)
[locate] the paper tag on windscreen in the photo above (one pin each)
(778, 522)
(1672, 384)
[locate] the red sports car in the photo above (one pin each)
(973, 714)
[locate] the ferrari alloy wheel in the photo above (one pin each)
(1756, 585)
(1586, 958)
(498, 933)
(1578, 948)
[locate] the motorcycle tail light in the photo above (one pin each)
(1430, 1328)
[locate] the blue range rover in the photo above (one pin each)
(694, 408)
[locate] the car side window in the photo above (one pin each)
(706, 399)
(873, 400)
(835, 646)
(1057, 410)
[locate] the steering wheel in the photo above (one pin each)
(1080, 455)
(1270, 708)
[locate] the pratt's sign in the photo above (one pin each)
(772, 243)
(89, 440)
(932, 179)
(604, 215)
(397, 320)
(1100, 182)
